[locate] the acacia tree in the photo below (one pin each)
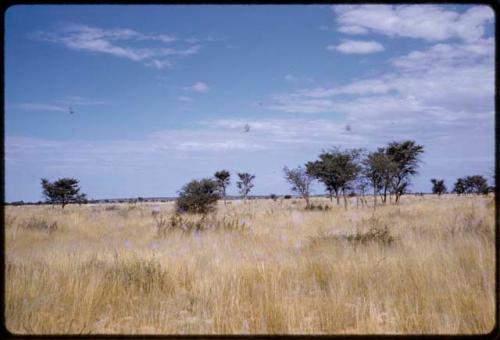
(337, 169)
(362, 184)
(438, 187)
(300, 181)
(406, 156)
(222, 178)
(245, 184)
(379, 168)
(324, 170)
(476, 185)
(460, 186)
(62, 191)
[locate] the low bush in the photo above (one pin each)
(197, 223)
(373, 235)
(38, 224)
(318, 207)
(198, 197)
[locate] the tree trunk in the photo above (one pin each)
(337, 197)
(374, 197)
(331, 196)
(307, 202)
(345, 199)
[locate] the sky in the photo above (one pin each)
(138, 100)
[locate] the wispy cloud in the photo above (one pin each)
(41, 107)
(117, 42)
(424, 74)
(61, 104)
(429, 22)
(184, 99)
(199, 86)
(415, 98)
(357, 47)
(296, 80)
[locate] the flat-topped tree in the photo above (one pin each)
(62, 191)
(406, 157)
(476, 184)
(222, 178)
(337, 169)
(380, 170)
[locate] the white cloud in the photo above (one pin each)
(352, 30)
(429, 92)
(185, 99)
(429, 22)
(159, 64)
(198, 87)
(357, 47)
(212, 136)
(81, 101)
(116, 42)
(60, 105)
(41, 107)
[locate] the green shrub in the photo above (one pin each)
(198, 197)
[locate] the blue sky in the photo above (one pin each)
(161, 94)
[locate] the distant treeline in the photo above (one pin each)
(172, 199)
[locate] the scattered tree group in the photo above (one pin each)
(387, 171)
(349, 172)
(471, 185)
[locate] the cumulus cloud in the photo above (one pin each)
(357, 47)
(429, 22)
(427, 93)
(116, 42)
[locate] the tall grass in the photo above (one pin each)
(425, 266)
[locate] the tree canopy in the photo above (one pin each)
(406, 157)
(438, 186)
(245, 183)
(222, 178)
(62, 191)
(300, 181)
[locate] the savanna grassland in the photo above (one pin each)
(262, 266)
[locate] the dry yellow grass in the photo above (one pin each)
(289, 271)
